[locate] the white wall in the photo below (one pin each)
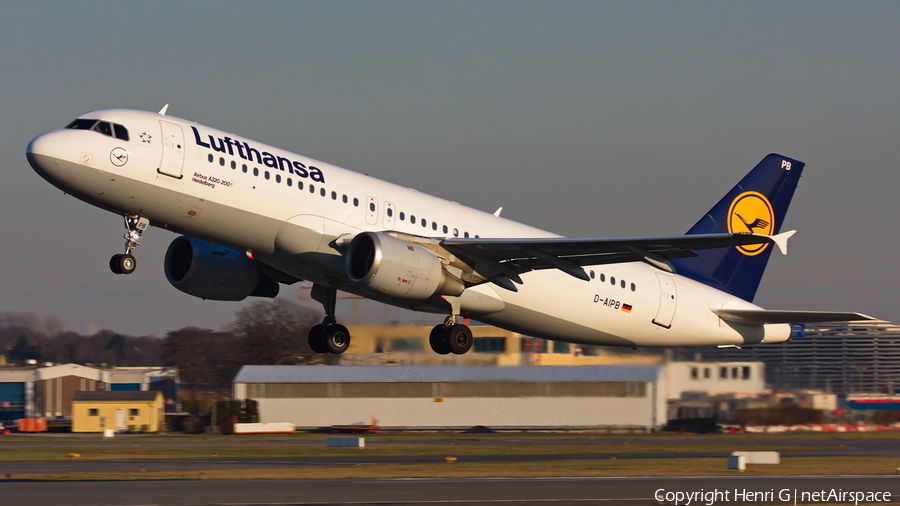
(706, 377)
(456, 413)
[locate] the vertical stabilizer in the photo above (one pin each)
(757, 204)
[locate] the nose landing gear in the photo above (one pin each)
(126, 263)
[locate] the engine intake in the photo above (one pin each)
(212, 272)
(386, 265)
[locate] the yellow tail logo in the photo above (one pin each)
(751, 212)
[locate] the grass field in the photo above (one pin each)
(148, 448)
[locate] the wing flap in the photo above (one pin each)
(764, 316)
(570, 254)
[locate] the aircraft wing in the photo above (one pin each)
(501, 260)
(763, 316)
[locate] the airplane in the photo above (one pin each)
(253, 217)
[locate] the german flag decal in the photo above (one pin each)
(626, 308)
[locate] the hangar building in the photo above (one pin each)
(458, 397)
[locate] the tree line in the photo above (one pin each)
(262, 333)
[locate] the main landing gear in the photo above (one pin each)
(451, 336)
(126, 263)
(328, 336)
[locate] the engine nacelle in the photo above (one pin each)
(204, 270)
(387, 265)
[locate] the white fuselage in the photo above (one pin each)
(287, 211)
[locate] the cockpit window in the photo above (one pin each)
(121, 132)
(103, 127)
(81, 124)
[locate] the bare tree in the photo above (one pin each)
(274, 332)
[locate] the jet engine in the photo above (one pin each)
(208, 271)
(386, 265)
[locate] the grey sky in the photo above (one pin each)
(584, 118)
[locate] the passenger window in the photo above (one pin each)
(289, 182)
(633, 288)
(372, 206)
(433, 225)
(244, 168)
(344, 198)
(602, 277)
(333, 195)
(322, 191)
(424, 222)
(445, 229)
(255, 171)
(121, 132)
(622, 284)
(402, 216)
(390, 212)
(210, 157)
(455, 232)
(266, 175)
(355, 202)
(277, 178)
(412, 219)
(233, 164)
(312, 188)
(299, 185)
(612, 280)
(221, 161)
(466, 235)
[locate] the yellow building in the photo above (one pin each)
(121, 411)
(408, 345)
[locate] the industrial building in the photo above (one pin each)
(743, 379)
(36, 391)
(408, 345)
(458, 397)
(839, 358)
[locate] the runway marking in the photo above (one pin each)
(402, 501)
(618, 478)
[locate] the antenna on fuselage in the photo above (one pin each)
(164, 109)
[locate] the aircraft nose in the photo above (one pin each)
(44, 156)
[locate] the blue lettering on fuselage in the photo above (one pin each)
(251, 154)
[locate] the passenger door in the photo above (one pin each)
(172, 159)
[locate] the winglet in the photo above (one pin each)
(781, 240)
(164, 109)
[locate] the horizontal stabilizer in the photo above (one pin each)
(763, 316)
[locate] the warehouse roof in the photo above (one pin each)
(120, 396)
(423, 373)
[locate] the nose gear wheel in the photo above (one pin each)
(126, 263)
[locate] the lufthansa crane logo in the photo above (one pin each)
(118, 157)
(751, 212)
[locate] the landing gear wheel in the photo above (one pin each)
(438, 340)
(459, 338)
(337, 338)
(316, 339)
(127, 263)
(114, 263)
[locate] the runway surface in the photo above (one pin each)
(438, 492)
(606, 450)
(441, 492)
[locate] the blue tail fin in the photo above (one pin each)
(757, 204)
